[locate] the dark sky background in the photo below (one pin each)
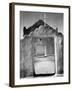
(27, 19)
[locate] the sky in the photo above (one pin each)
(27, 19)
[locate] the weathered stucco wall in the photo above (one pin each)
(26, 67)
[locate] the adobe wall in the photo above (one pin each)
(26, 65)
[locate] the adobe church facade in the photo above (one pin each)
(41, 51)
